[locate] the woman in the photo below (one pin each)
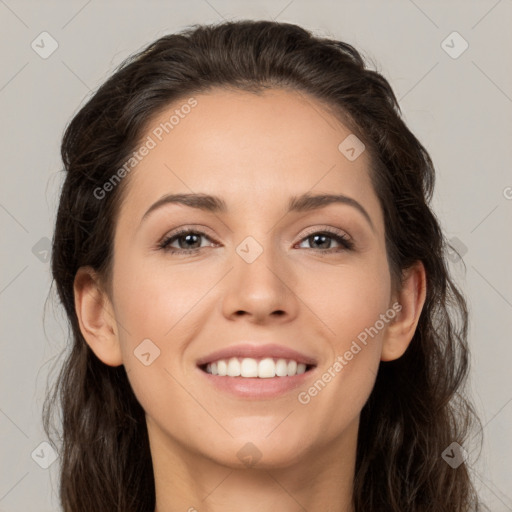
(310, 352)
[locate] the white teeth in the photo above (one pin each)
(233, 367)
(222, 368)
(266, 368)
(292, 367)
(281, 368)
(248, 367)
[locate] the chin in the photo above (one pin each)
(259, 452)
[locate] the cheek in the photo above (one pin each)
(155, 307)
(348, 298)
(349, 301)
(153, 301)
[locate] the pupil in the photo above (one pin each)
(320, 236)
(187, 237)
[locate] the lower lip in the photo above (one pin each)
(254, 387)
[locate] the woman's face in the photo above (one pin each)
(260, 282)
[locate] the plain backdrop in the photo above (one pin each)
(455, 91)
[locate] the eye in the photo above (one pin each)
(324, 239)
(187, 239)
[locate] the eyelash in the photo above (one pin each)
(347, 244)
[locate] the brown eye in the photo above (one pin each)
(323, 241)
(187, 239)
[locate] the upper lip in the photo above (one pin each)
(257, 352)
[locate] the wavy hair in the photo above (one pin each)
(417, 407)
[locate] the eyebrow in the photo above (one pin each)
(215, 204)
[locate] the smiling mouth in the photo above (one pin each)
(261, 368)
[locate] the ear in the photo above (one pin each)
(96, 317)
(411, 298)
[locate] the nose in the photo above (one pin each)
(260, 290)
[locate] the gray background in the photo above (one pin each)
(460, 108)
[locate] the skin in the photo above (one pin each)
(254, 151)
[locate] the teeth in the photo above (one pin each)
(292, 367)
(233, 367)
(248, 367)
(222, 368)
(281, 368)
(266, 368)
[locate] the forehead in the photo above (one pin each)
(254, 150)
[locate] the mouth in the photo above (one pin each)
(256, 372)
(256, 368)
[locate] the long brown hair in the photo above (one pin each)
(417, 407)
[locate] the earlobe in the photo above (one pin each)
(411, 298)
(96, 317)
